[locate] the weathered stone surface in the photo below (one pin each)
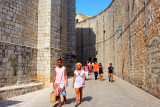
(135, 53)
(16, 90)
(17, 63)
(53, 42)
(33, 35)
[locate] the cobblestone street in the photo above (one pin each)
(96, 93)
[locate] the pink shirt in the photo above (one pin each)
(86, 68)
(60, 75)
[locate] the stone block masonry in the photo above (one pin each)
(71, 44)
(16, 90)
(135, 53)
(17, 64)
(43, 45)
(18, 41)
(33, 35)
(54, 37)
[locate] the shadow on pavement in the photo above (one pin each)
(55, 105)
(73, 100)
(6, 103)
(113, 81)
(69, 101)
(89, 79)
(89, 98)
(103, 79)
(90, 73)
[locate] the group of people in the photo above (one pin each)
(98, 69)
(60, 79)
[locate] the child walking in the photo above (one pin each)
(110, 72)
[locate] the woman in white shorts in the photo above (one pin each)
(79, 81)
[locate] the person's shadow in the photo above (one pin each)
(89, 79)
(103, 79)
(73, 100)
(7, 103)
(113, 81)
(88, 99)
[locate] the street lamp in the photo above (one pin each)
(120, 31)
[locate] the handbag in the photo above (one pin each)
(53, 97)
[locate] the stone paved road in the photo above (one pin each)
(96, 94)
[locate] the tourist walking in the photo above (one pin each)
(88, 63)
(86, 69)
(60, 81)
(90, 67)
(79, 82)
(110, 72)
(100, 71)
(95, 70)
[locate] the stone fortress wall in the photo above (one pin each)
(18, 40)
(135, 54)
(33, 35)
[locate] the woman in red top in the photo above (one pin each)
(90, 67)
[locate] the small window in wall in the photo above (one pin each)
(77, 20)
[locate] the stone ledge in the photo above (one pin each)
(12, 91)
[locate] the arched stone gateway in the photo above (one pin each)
(153, 65)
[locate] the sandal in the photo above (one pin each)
(76, 105)
(59, 105)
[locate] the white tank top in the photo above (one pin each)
(60, 75)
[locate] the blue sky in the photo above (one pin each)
(91, 7)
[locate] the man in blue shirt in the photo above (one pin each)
(110, 72)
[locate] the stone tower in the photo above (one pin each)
(33, 35)
(56, 36)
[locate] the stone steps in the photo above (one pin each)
(12, 91)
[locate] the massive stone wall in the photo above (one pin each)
(44, 37)
(135, 53)
(18, 39)
(56, 39)
(71, 39)
(33, 35)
